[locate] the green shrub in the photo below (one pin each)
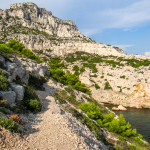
(34, 105)
(9, 124)
(4, 84)
(91, 66)
(107, 86)
(3, 73)
(36, 82)
(82, 70)
(123, 76)
(75, 68)
(89, 123)
(15, 47)
(31, 100)
(68, 79)
(91, 110)
(118, 148)
(93, 75)
(97, 86)
(59, 98)
(5, 50)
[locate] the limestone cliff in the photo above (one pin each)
(38, 29)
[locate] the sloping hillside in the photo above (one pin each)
(54, 82)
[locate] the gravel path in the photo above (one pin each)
(54, 129)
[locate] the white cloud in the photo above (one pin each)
(147, 54)
(124, 46)
(127, 17)
(88, 32)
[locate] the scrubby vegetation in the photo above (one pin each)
(14, 47)
(107, 86)
(96, 116)
(9, 124)
(90, 60)
(31, 100)
(4, 84)
(67, 78)
(36, 82)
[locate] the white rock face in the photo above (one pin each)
(19, 90)
(10, 96)
(40, 30)
(38, 69)
(16, 71)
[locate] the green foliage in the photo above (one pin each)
(123, 77)
(9, 124)
(5, 50)
(82, 70)
(91, 66)
(107, 86)
(34, 105)
(15, 47)
(89, 123)
(93, 75)
(97, 86)
(91, 110)
(31, 100)
(76, 69)
(59, 97)
(119, 126)
(4, 84)
(3, 73)
(66, 78)
(118, 148)
(62, 96)
(55, 63)
(36, 82)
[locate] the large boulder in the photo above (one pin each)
(19, 90)
(10, 96)
(120, 107)
(16, 71)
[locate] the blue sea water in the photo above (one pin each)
(139, 119)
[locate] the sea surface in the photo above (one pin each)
(139, 119)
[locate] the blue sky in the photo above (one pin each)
(123, 23)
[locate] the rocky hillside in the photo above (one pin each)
(54, 82)
(38, 29)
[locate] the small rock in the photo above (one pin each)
(121, 107)
(10, 96)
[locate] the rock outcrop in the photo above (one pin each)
(38, 29)
(19, 71)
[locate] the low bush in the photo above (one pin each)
(31, 100)
(62, 97)
(69, 79)
(107, 86)
(118, 148)
(108, 121)
(4, 83)
(9, 124)
(36, 82)
(91, 110)
(16, 118)
(76, 69)
(97, 86)
(123, 77)
(15, 47)
(91, 66)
